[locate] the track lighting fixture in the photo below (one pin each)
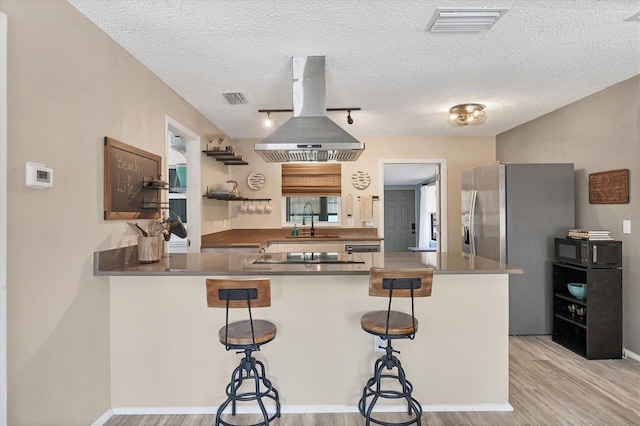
(268, 122)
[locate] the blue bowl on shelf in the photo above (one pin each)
(578, 290)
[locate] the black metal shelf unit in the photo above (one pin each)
(597, 333)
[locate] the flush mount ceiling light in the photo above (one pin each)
(447, 20)
(467, 114)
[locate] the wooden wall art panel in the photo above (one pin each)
(610, 187)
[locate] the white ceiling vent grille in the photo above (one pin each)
(635, 17)
(235, 98)
(463, 20)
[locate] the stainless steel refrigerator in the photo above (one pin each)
(511, 213)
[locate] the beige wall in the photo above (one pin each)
(460, 154)
(69, 86)
(600, 132)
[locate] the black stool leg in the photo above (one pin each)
(374, 389)
(247, 370)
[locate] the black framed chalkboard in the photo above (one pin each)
(126, 168)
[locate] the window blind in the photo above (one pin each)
(311, 179)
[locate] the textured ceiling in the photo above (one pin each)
(541, 55)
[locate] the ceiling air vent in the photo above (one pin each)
(464, 20)
(635, 17)
(235, 98)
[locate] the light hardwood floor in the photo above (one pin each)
(548, 385)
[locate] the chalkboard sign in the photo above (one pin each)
(126, 170)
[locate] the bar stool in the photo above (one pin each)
(245, 336)
(390, 325)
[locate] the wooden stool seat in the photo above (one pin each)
(400, 324)
(239, 333)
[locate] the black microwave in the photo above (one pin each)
(589, 253)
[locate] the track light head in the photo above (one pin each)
(349, 119)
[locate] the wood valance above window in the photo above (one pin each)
(311, 179)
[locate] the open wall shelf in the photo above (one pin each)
(223, 198)
(226, 157)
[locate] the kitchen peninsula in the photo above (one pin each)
(165, 354)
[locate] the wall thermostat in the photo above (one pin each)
(38, 176)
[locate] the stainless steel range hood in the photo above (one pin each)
(309, 135)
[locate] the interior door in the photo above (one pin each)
(399, 220)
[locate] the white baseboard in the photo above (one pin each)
(628, 354)
(128, 411)
(103, 418)
(311, 409)
(466, 407)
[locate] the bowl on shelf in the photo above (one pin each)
(578, 290)
(225, 187)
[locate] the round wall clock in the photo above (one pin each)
(360, 180)
(255, 180)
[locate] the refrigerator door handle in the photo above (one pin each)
(472, 221)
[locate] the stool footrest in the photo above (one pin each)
(252, 371)
(374, 390)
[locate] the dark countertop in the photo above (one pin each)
(123, 262)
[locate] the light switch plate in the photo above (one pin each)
(350, 221)
(626, 226)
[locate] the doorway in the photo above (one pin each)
(182, 144)
(428, 229)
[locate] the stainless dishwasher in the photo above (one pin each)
(362, 248)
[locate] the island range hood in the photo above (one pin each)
(309, 135)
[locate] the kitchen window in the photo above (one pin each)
(326, 210)
(316, 186)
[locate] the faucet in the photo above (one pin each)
(312, 231)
